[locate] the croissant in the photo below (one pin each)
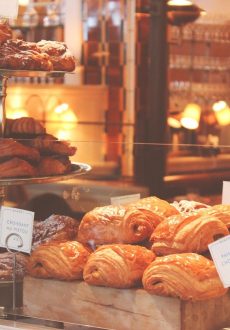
(117, 265)
(55, 228)
(54, 166)
(220, 211)
(59, 54)
(22, 55)
(186, 234)
(155, 209)
(17, 167)
(188, 276)
(23, 126)
(59, 260)
(114, 224)
(10, 148)
(5, 32)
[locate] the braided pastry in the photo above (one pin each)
(117, 265)
(188, 276)
(59, 54)
(60, 260)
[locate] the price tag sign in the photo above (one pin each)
(220, 252)
(226, 192)
(125, 199)
(9, 8)
(18, 222)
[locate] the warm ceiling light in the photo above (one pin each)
(223, 117)
(24, 2)
(174, 123)
(191, 116)
(179, 3)
(219, 106)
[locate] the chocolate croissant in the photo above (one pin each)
(188, 276)
(222, 212)
(114, 224)
(23, 127)
(117, 265)
(58, 260)
(55, 228)
(183, 233)
(155, 209)
(59, 55)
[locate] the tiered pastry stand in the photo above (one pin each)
(77, 168)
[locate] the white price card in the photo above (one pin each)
(220, 252)
(20, 223)
(125, 199)
(226, 193)
(9, 8)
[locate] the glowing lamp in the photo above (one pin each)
(174, 123)
(16, 113)
(179, 3)
(191, 116)
(223, 117)
(219, 106)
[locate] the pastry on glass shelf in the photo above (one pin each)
(188, 276)
(24, 127)
(181, 233)
(17, 168)
(114, 224)
(58, 260)
(54, 165)
(10, 148)
(117, 265)
(22, 55)
(220, 211)
(155, 209)
(59, 54)
(5, 32)
(54, 228)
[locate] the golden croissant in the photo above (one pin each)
(188, 276)
(117, 265)
(221, 211)
(187, 234)
(114, 224)
(59, 260)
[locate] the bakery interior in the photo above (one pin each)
(147, 112)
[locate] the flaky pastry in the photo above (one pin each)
(117, 265)
(220, 211)
(24, 126)
(17, 168)
(10, 148)
(54, 166)
(188, 276)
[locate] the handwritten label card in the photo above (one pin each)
(125, 199)
(9, 8)
(16, 221)
(220, 252)
(226, 192)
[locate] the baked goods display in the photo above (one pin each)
(55, 228)
(188, 276)
(222, 212)
(6, 266)
(23, 127)
(59, 260)
(182, 233)
(117, 265)
(17, 168)
(189, 207)
(114, 224)
(5, 32)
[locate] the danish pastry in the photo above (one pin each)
(55, 228)
(59, 260)
(114, 224)
(188, 276)
(117, 265)
(183, 233)
(59, 54)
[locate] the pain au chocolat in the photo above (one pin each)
(183, 233)
(222, 212)
(188, 276)
(58, 260)
(114, 224)
(117, 265)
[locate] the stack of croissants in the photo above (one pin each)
(151, 243)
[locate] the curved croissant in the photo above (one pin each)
(220, 211)
(60, 260)
(186, 234)
(155, 209)
(114, 224)
(188, 276)
(117, 265)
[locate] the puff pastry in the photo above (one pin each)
(188, 276)
(59, 260)
(114, 224)
(183, 233)
(55, 228)
(10, 148)
(54, 166)
(155, 209)
(17, 167)
(220, 211)
(24, 126)
(117, 265)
